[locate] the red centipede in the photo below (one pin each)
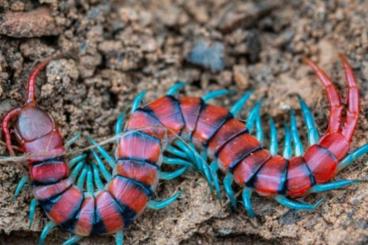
(139, 154)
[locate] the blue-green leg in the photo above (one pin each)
(21, 184)
(176, 152)
(236, 108)
(287, 143)
(194, 157)
(97, 178)
(73, 139)
(119, 238)
(313, 135)
(338, 184)
(82, 177)
(75, 172)
(352, 156)
(214, 176)
(102, 151)
(274, 145)
(298, 145)
(90, 187)
(247, 203)
(172, 175)
(292, 204)
(32, 211)
(137, 101)
(253, 114)
(215, 94)
(259, 129)
(73, 240)
(45, 232)
(228, 181)
(176, 161)
(118, 129)
(101, 166)
(173, 90)
(76, 160)
(154, 204)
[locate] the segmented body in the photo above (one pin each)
(140, 148)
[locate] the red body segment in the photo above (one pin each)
(86, 217)
(269, 180)
(128, 194)
(298, 177)
(139, 171)
(49, 172)
(46, 192)
(249, 166)
(321, 162)
(210, 120)
(65, 206)
(236, 150)
(168, 112)
(190, 108)
(138, 145)
(108, 213)
(230, 129)
(145, 122)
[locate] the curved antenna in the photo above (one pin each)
(31, 93)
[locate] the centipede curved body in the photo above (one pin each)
(140, 149)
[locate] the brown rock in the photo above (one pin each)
(35, 23)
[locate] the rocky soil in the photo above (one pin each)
(114, 49)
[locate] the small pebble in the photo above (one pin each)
(206, 55)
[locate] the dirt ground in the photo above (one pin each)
(113, 49)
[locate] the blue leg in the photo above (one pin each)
(32, 211)
(75, 173)
(338, 184)
(73, 139)
(172, 175)
(259, 129)
(313, 135)
(299, 151)
(228, 180)
(21, 184)
(176, 161)
(176, 152)
(45, 232)
(253, 114)
(352, 156)
(287, 144)
(119, 124)
(82, 178)
(97, 178)
(289, 203)
(215, 94)
(173, 90)
(247, 194)
(214, 168)
(274, 145)
(236, 108)
(119, 238)
(73, 240)
(137, 101)
(101, 166)
(153, 204)
(102, 151)
(76, 159)
(90, 187)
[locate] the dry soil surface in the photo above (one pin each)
(114, 49)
